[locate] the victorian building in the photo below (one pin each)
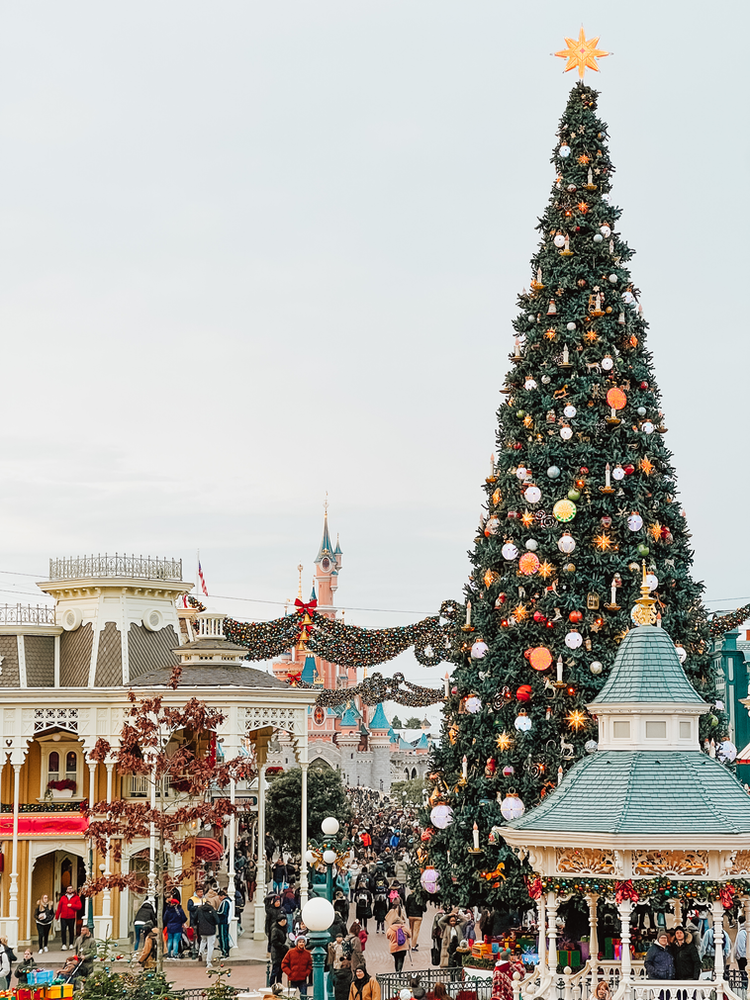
(65, 674)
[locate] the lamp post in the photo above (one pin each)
(317, 916)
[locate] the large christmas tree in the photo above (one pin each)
(581, 498)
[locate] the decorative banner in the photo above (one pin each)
(377, 688)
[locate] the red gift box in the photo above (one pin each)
(24, 993)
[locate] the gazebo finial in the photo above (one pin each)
(643, 613)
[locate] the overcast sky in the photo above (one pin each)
(252, 252)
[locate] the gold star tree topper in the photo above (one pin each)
(581, 53)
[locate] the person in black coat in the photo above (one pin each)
(279, 947)
(687, 962)
(659, 963)
(364, 906)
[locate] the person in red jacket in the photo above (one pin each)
(297, 964)
(67, 911)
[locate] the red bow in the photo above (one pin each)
(626, 890)
(305, 609)
(726, 896)
(294, 679)
(535, 889)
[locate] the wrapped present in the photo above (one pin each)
(584, 946)
(24, 993)
(40, 977)
(58, 990)
(571, 958)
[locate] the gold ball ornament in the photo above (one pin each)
(564, 510)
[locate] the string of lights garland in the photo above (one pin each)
(726, 623)
(661, 887)
(348, 645)
(376, 688)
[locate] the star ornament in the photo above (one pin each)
(581, 54)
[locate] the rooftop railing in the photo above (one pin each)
(130, 567)
(27, 614)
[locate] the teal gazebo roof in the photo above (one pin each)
(647, 669)
(643, 792)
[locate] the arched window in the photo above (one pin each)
(413, 773)
(54, 765)
(71, 763)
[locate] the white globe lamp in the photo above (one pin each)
(309, 858)
(329, 857)
(318, 914)
(330, 826)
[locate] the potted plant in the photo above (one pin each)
(64, 787)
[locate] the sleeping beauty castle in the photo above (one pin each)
(356, 738)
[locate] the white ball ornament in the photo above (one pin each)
(647, 427)
(405, 995)
(566, 543)
(641, 411)
(521, 473)
(559, 241)
(566, 433)
(429, 879)
(512, 807)
(681, 653)
(628, 298)
(726, 751)
(598, 238)
(522, 723)
(441, 816)
(532, 544)
(564, 151)
(570, 411)
(613, 278)
(596, 668)
(553, 472)
(509, 551)
(473, 705)
(479, 650)
(591, 746)
(533, 494)
(570, 326)
(607, 363)
(605, 231)
(574, 640)
(652, 580)
(635, 522)
(618, 473)
(546, 379)
(529, 384)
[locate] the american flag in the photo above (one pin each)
(202, 579)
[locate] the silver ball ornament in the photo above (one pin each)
(613, 278)
(596, 667)
(598, 238)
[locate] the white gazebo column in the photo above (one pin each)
(260, 889)
(104, 923)
(541, 920)
(303, 836)
(12, 922)
(592, 901)
(717, 911)
(625, 910)
(677, 912)
(552, 933)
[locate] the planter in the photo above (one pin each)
(63, 793)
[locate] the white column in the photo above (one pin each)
(230, 870)
(303, 836)
(541, 918)
(592, 900)
(625, 909)
(12, 924)
(717, 910)
(107, 895)
(552, 933)
(260, 889)
(152, 847)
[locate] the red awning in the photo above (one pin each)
(208, 848)
(40, 825)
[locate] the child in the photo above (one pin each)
(24, 968)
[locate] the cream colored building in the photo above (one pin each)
(65, 673)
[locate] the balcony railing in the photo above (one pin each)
(131, 567)
(26, 614)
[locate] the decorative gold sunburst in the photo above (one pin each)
(504, 741)
(527, 519)
(647, 466)
(577, 719)
(581, 53)
(603, 542)
(546, 569)
(520, 612)
(655, 531)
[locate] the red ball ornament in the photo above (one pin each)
(517, 446)
(502, 598)
(527, 653)
(606, 521)
(454, 690)
(512, 515)
(524, 692)
(426, 835)
(575, 616)
(644, 385)
(539, 617)
(584, 470)
(664, 532)
(628, 469)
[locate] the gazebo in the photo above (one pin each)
(646, 814)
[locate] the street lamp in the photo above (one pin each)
(330, 826)
(318, 915)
